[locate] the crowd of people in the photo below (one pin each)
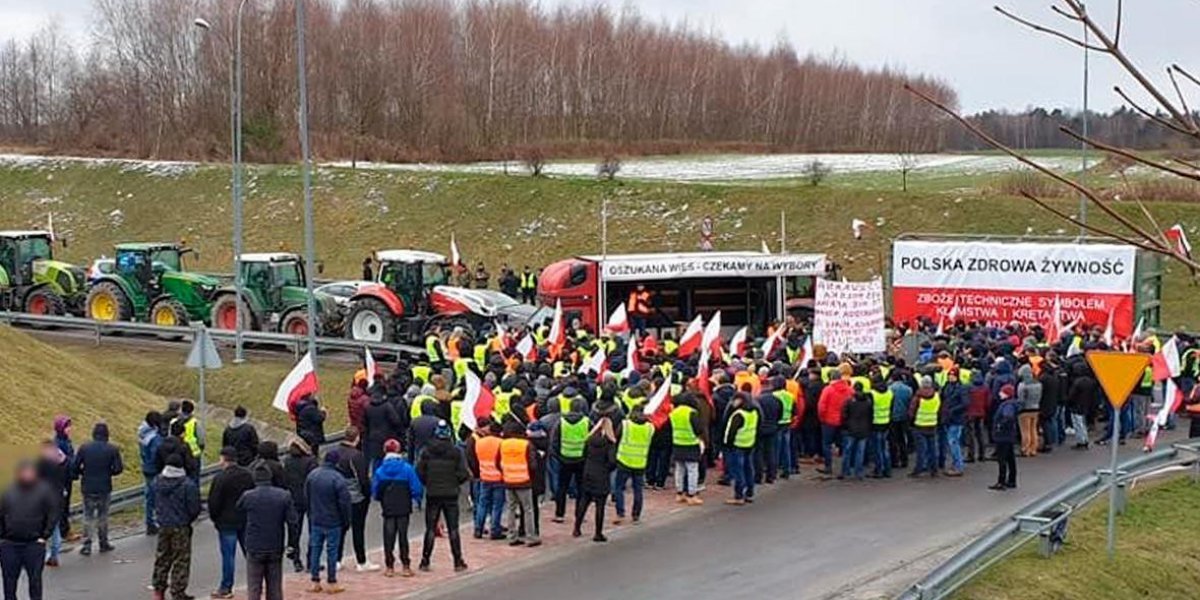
(557, 425)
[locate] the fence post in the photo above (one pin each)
(1122, 496)
(99, 334)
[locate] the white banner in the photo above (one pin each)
(1029, 267)
(651, 267)
(849, 316)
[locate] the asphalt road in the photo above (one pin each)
(804, 539)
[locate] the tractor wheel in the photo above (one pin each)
(168, 312)
(295, 323)
(371, 321)
(45, 302)
(106, 302)
(224, 314)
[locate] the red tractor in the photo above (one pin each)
(411, 297)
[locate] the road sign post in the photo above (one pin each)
(1118, 373)
(202, 357)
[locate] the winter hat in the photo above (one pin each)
(926, 381)
(262, 473)
(229, 452)
(61, 423)
(391, 446)
(570, 391)
(333, 457)
(443, 430)
(1007, 391)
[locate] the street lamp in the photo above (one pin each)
(235, 126)
(306, 157)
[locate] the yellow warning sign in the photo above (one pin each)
(1118, 373)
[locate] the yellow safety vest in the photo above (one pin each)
(461, 366)
(422, 373)
(573, 437)
(927, 411)
(481, 355)
(455, 417)
(670, 346)
(789, 405)
(681, 427)
(746, 435)
(528, 281)
(634, 448)
(564, 403)
(503, 405)
(883, 407)
(414, 411)
(189, 434)
(433, 348)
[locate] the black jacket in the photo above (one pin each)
(770, 410)
(310, 424)
(227, 488)
(354, 467)
(97, 462)
(56, 474)
(243, 437)
(1053, 389)
(442, 469)
(1083, 393)
(857, 415)
(266, 510)
(177, 499)
(176, 446)
(381, 422)
(28, 512)
(268, 456)
(599, 460)
(296, 467)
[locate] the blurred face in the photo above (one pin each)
(27, 474)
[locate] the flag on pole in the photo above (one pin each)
(50, 227)
(618, 322)
(596, 363)
(477, 400)
(690, 341)
(372, 368)
(658, 408)
(1108, 329)
(951, 315)
(1137, 331)
(806, 354)
(456, 260)
(772, 341)
(558, 330)
(1172, 398)
(526, 348)
(765, 248)
(1177, 236)
(631, 350)
(737, 346)
(1165, 364)
(300, 382)
(703, 373)
(711, 340)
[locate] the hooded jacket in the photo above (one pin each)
(1001, 375)
(955, 403)
(268, 456)
(381, 423)
(857, 415)
(833, 399)
(97, 462)
(267, 511)
(174, 446)
(1084, 392)
(227, 488)
(356, 406)
(243, 437)
(310, 424)
(149, 440)
(442, 469)
(28, 512)
(177, 499)
(1029, 390)
(328, 498)
(297, 465)
(599, 460)
(396, 486)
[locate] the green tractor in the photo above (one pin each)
(276, 298)
(148, 283)
(32, 281)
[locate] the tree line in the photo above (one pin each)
(442, 80)
(1040, 128)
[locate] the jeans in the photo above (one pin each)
(1126, 422)
(521, 504)
(95, 518)
(740, 464)
(926, 442)
(395, 529)
(229, 540)
(54, 546)
(975, 442)
(1050, 429)
(852, 460)
(358, 528)
(325, 539)
(1006, 459)
(954, 441)
(767, 461)
(687, 477)
(943, 448)
(638, 480)
(489, 502)
(22, 556)
(883, 453)
(1079, 422)
(265, 570)
(785, 458)
(434, 509)
(553, 465)
(149, 504)
(829, 438)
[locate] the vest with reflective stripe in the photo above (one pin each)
(433, 348)
(414, 411)
(455, 417)
(565, 402)
(189, 434)
(827, 373)
(461, 366)
(422, 372)
(964, 376)
(670, 346)
(634, 448)
(789, 405)
(628, 400)
(481, 355)
(860, 380)
(528, 281)
(746, 435)
(883, 407)
(487, 451)
(573, 437)
(514, 461)
(503, 405)
(681, 427)
(927, 411)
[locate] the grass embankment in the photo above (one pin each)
(1158, 539)
(41, 381)
(522, 220)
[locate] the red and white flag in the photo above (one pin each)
(558, 330)
(372, 368)
(737, 346)
(711, 341)
(618, 322)
(952, 315)
(596, 363)
(1178, 237)
(772, 341)
(765, 248)
(526, 348)
(631, 362)
(806, 354)
(456, 259)
(1054, 331)
(692, 336)
(1173, 397)
(658, 408)
(1165, 364)
(300, 382)
(1108, 330)
(703, 373)
(477, 400)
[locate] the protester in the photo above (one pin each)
(226, 489)
(310, 422)
(741, 433)
(925, 414)
(63, 427)
(687, 446)
(568, 439)
(242, 437)
(1082, 396)
(1029, 393)
(1005, 436)
(175, 446)
(353, 466)
(268, 512)
(599, 461)
(442, 470)
(178, 504)
(97, 463)
(857, 415)
(381, 422)
(829, 411)
(518, 467)
(956, 402)
(881, 427)
(483, 459)
(633, 452)
(150, 439)
(297, 466)
(397, 488)
(54, 469)
(29, 512)
(267, 455)
(193, 429)
(329, 515)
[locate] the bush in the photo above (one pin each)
(1029, 182)
(609, 166)
(535, 160)
(816, 172)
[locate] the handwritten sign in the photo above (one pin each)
(849, 316)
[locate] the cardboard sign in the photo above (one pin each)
(849, 316)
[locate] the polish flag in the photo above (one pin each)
(737, 346)
(1178, 237)
(711, 341)
(691, 339)
(299, 383)
(1054, 331)
(772, 341)
(765, 248)
(806, 354)
(1108, 329)
(1137, 331)
(703, 373)
(1165, 363)
(1173, 398)
(372, 368)
(526, 348)
(596, 363)
(631, 350)
(558, 333)
(951, 316)
(456, 260)
(658, 408)
(619, 321)
(478, 401)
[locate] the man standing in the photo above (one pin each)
(54, 470)
(227, 488)
(310, 422)
(352, 464)
(193, 430)
(96, 463)
(482, 277)
(856, 423)
(829, 411)
(267, 511)
(518, 462)
(881, 424)
(297, 466)
(770, 409)
(29, 513)
(638, 308)
(956, 400)
(567, 440)
(396, 486)
(483, 458)
(924, 414)
(687, 445)
(740, 434)
(528, 286)
(178, 504)
(242, 437)
(1004, 436)
(633, 453)
(442, 470)
(150, 438)
(328, 516)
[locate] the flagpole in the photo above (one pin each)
(604, 226)
(782, 232)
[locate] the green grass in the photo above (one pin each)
(522, 220)
(1158, 539)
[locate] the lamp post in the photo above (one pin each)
(306, 157)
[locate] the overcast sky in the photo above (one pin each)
(992, 62)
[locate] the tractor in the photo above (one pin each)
(148, 283)
(32, 281)
(410, 299)
(276, 298)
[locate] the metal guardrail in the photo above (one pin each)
(293, 343)
(1037, 519)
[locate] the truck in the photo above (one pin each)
(32, 281)
(749, 288)
(149, 283)
(410, 298)
(275, 298)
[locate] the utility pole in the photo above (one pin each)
(1083, 149)
(306, 156)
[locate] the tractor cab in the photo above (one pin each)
(412, 275)
(275, 292)
(146, 263)
(149, 283)
(18, 251)
(32, 281)
(274, 278)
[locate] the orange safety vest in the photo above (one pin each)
(487, 450)
(514, 461)
(452, 348)
(747, 377)
(639, 303)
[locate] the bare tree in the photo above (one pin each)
(1173, 114)
(815, 172)
(535, 160)
(608, 167)
(905, 163)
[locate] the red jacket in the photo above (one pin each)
(980, 397)
(833, 398)
(356, 406)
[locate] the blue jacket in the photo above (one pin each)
(396, 486)
(1002, 375)
(267, 511)
(1004, 424)
(955, 402)
(97, 462)
(901, 398)
(149, 439)
(177, 499)
(328, 498)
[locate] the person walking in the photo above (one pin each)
(178, 504)
(857, 418)
(241, 435)
(352, 464)
(687, 446)
(483, 459)
(741, 433)
(442, 470)
(633, 454)
(96, 464)
(227, 488)
(397, 488)
(55, 471)
(268, 511)
(1004, 436)
(924, 414)
(329, 515)
(599, 461)
(150, 438)
(29, 513)
(297, 466)
(1029, 394)
(518, 467)
(567, 441)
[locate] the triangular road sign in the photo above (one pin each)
(1118, 373)
(204, 352)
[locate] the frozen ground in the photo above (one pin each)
(160, 168)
